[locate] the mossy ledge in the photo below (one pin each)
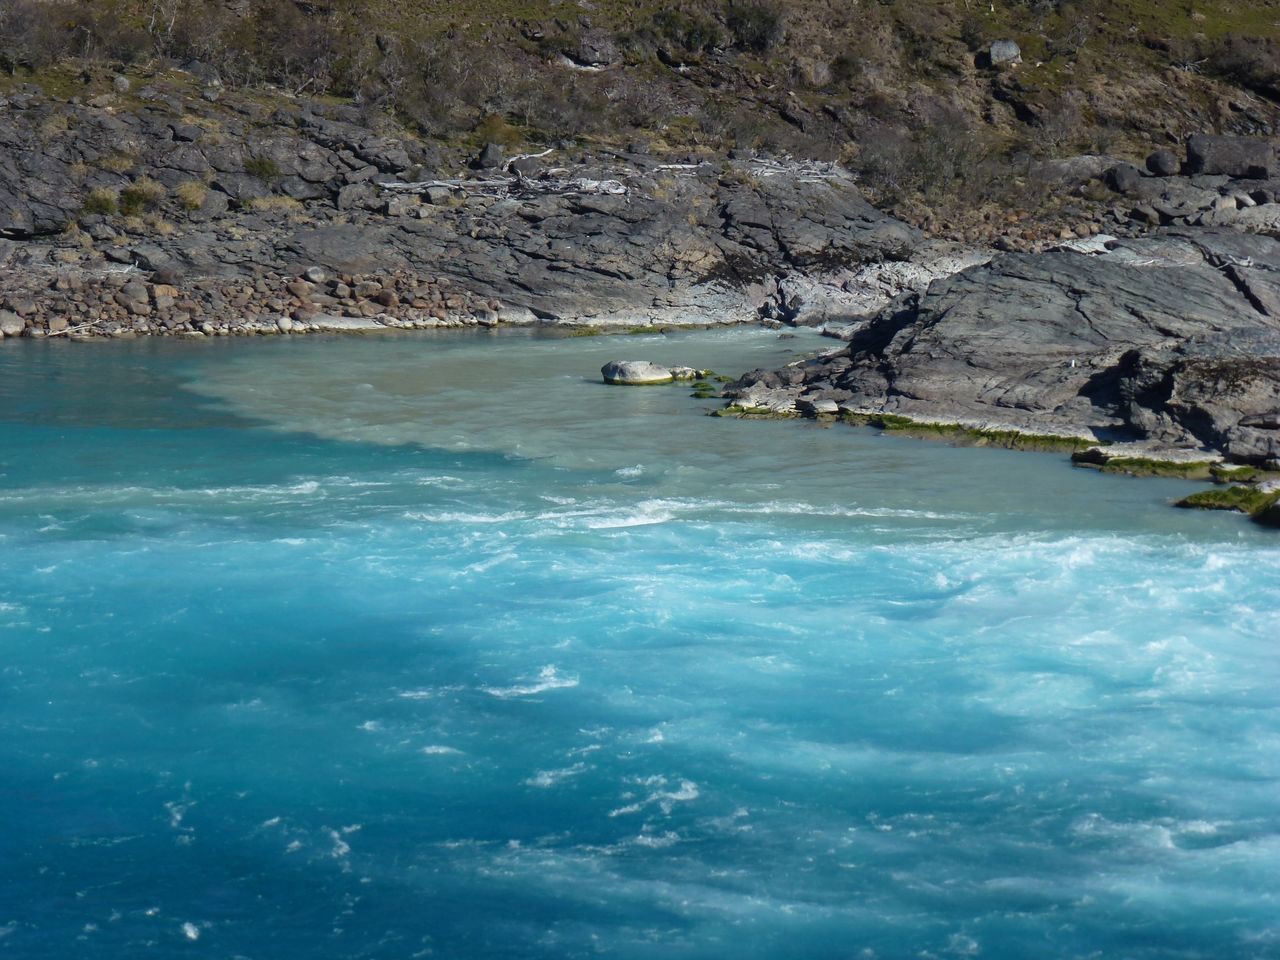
(968, 436)
(1246, 500)
(753, 413)
(1241, 473)
(1144, 466)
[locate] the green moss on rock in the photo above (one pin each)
(968, 436)
(1248, 500)
(1147, 467)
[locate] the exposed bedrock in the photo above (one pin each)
(1173, 338)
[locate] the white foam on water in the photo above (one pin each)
(664, 799)
(458, 516)
(628, 473)
(190, 931)
(340, 846)
(429, 693)
(440, 750)
(644, 514)
(656, 842)
(549, 778)
(548, 679)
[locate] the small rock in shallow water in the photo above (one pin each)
(633, 373)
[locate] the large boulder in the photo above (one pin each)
(1124, 178)
(596, 49)
(1163, 163)
(1004, 52)
(490, 158)
(11, 325)
(1244, 157)
(635, 373)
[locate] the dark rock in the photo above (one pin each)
(357, 196)
(1163, 163)
(597, 48)
(185, 132)
(1232, 156)
(1158, 339)
(1124, 178)
(241, 187)
(215, 204)
(525, 167)
(490, 157)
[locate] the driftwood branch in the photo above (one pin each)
(804, 171)
(77, 328)
(529, 156)
(514, 185)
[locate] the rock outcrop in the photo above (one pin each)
(1173, 339)
(234, 192)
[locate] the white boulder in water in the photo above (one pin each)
(635, 373)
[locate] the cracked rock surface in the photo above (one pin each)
(1172, 338)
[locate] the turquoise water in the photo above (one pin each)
(434, 647)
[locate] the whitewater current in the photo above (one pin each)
(435, 646)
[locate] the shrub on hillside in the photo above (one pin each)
(756, 26)
(100, 202)
(694, 31)
(142, 196)
(1252, 62)
(941, 157)
(30, 35)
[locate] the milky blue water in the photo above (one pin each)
(434, 647)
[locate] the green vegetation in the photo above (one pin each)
(1248, 500)
(264, 168)
(1146, 467)
(142, 196)
(968, 436)
(191, 194)
(277, 203)
(118, 162)
(895, 88)
(101, 202)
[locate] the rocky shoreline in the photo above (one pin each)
(1153, 354)
(1145, 338)
(167, 211)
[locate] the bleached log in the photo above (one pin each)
(517, 184)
